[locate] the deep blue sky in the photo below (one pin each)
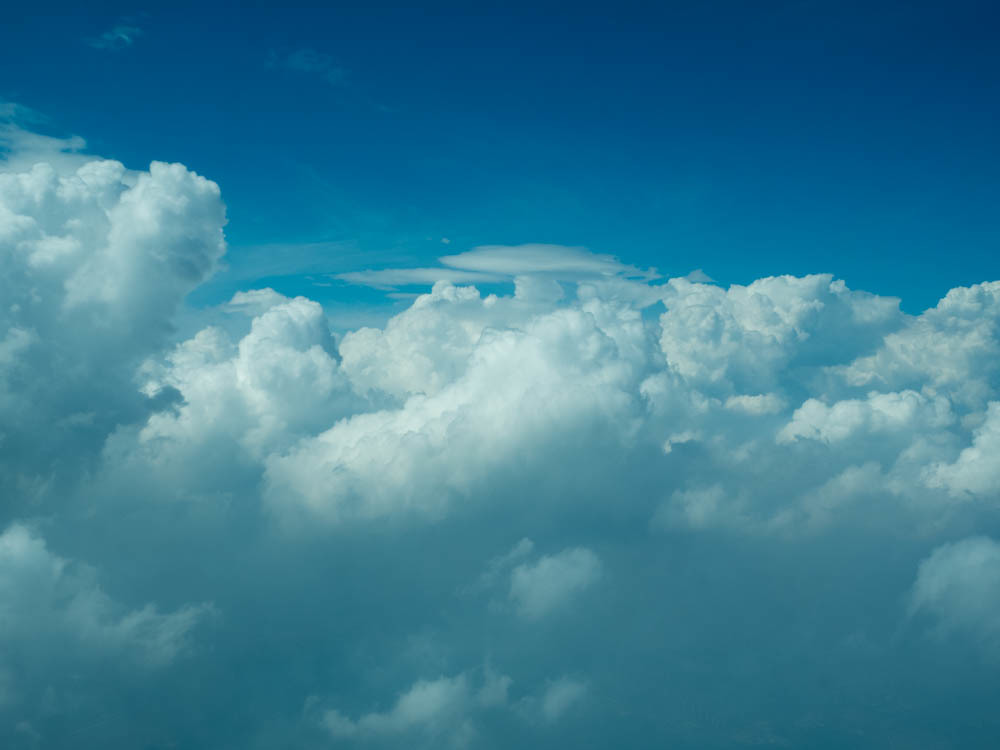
(746, 139)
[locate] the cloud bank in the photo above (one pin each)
(600, 508)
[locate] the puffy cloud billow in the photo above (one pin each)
(602, 509)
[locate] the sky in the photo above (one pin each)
(499, 375)
(745, 139)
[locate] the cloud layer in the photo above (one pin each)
(598, 509)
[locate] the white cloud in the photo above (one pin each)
(750, 338)
(957, 585)
(443, 708)
(560, 696)
(697, 276)
(495, 263)
(700, 507)
(781, 420)
(46, 596)
(757, 404)
(96, 261)
(238, 401)
(563, 370)
(425, 410)
(549, 584)
(500, 565)
(390, 278)
(560, 260)
(953, 347)
(21, 149)
(977, 469)
(880, 413)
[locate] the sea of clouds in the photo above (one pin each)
(604, 509)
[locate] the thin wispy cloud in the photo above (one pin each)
(309, 62)
(496, 263)
(120, 37)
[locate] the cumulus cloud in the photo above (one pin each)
(44, 596)
(953, 348)
(311, 62)
(562, 370)
(976, 471)
(540, 588)
(958, 585)
(561, 696)
(880, 413)
(500, 566)
(96, 262)
(731, 486)
(441, 709)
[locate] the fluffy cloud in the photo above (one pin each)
(96, 261)
(958, 585)
(880, 414)
(722, 495)
(563, 370)
(952, 348)
(42, 592)
(976, 471)
(560, 696)
(747, 340)
(440, 710)
(540, 588)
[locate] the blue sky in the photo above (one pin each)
(483, 376)
(781, 137)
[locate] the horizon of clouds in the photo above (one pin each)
(695, 511)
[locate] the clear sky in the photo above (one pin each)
(481, 377)
(745, 139)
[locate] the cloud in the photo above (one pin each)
(21, 148)
(562, 370)
(44, 596)
(540, 588)
(957, 585)
(880, 413)
(697, 276)
(390, 278)
(117, 38)
(976, 471)
(516, 260)
(500, 565)
(722, 494)
(441, 709)
(953, 347)
(494, 263)
(96, 262)
(310, 62)
(757, 404)
(560, 696)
